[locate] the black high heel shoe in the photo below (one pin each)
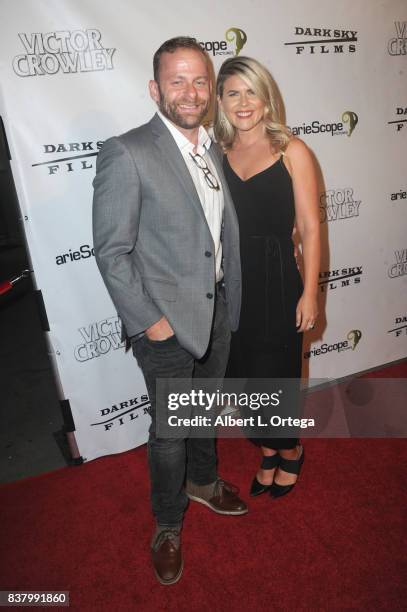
(268, 463)
(292, 466)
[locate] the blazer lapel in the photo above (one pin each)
(172, 155)
(230, 211)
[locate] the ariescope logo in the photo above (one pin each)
(399, 268)
(80, 160)
(124, 412)
(99, 338)
(235, 40)
(85, 251)
(343, 277)
(400, 328)
(314, 41)
(399, 195)
(400, 122)
(64, 51)
(335, 128)
(351, 342)
(337, 204)
(398, 44)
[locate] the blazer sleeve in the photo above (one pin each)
(116, 216)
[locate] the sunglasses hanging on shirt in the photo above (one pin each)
(209, 177)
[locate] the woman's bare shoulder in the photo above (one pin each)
(297, 155)
(297, 149)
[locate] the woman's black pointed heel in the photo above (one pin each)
(268, 463)
(292, 466)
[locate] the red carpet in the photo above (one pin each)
(336, 543)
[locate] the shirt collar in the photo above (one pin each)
(182, 142)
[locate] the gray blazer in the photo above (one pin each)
(152, 243)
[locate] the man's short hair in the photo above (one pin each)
(171, 45)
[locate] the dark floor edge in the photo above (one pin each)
(337, 381)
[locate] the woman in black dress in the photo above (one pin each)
(273, 183)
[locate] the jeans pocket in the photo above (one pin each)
(168, 343)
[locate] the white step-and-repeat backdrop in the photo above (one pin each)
(75, 72)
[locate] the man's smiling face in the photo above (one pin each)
(183, 91)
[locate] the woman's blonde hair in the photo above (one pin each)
(264, 86)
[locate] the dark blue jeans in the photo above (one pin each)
(170, 460)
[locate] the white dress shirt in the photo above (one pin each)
(211, 199)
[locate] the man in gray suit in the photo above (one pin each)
(167, 245)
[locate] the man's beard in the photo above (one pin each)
(181, 120)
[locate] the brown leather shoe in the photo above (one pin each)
(167, 557)
(221, 497)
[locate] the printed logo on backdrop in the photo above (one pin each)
(314, 41)
(80, 160)
(399, 267)
(400, 122)
(337, 279)
(399, 195)
(234, 41)
(349, 343)
(125, 412)
(338, 204)
(397, 45)
(65, 51)
(345, 126)
(99, 338)
(85, 251)
(400, 326)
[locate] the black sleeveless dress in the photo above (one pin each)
(267, 344)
